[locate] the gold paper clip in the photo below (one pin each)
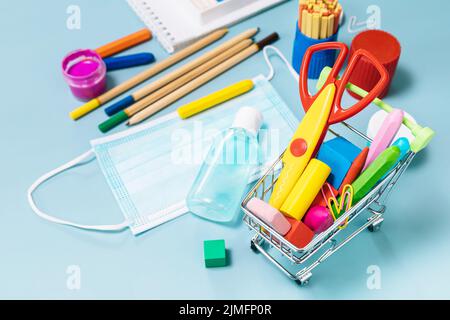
(337, 207)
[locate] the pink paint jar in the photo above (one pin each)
(85, 72)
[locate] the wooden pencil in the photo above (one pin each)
(315, 32)
(152, 87)
(141, 77)
(123, 115)
(204, 78)
(309, 21)
(304, 19)
(330, 24)
(314, 18)
(323, 27)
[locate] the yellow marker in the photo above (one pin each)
(306, 189)
(85, 109)
(302, 145)
(215, 98)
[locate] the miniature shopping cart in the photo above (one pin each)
(325, 243)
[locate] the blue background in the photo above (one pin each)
(412, 249)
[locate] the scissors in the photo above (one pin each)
(322, 110)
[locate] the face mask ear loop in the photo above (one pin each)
(271, 74)
(43, 215)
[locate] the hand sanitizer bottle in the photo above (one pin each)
(223, 178)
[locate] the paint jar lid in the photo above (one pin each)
(386, 48)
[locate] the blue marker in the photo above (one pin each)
(132, 60)
(403, 145)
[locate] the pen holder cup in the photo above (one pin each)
(319, 60)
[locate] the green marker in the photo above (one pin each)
(369, 178)
(377, 169)
(114, 121)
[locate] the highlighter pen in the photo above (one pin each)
(374, 172)
(215, 98)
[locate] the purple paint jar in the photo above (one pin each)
(85, 72)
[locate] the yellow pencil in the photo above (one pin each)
(304, 19)
(323, 27)
(315, 26)
(330, 23)
(309, 22)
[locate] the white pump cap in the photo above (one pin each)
(248, 118)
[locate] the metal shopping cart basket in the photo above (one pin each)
(324, 244)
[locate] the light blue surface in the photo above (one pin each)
(412, 250)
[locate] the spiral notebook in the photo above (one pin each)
(178, 23)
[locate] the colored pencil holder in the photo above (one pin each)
(319, 60)
(85, 73)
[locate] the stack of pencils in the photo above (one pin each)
(319, 19)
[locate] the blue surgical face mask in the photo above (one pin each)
(150, 168)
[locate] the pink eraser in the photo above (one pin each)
(269, 215)
(385, 135)
(318, 219)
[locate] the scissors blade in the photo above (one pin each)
(303, 144)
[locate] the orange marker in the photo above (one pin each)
(124, 43)
(355, 168)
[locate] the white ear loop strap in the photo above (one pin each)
(283, 58)
(47, 176)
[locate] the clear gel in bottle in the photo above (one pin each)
(223, 178)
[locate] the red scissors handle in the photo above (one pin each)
(306, 97)
(340, 114)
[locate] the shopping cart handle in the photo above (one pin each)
(423, 135)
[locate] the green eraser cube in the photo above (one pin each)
(214, 253)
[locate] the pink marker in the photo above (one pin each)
(269, 215)
(385, 135)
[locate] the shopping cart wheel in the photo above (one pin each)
(304, 280)
(253, 247)
(376, 226)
